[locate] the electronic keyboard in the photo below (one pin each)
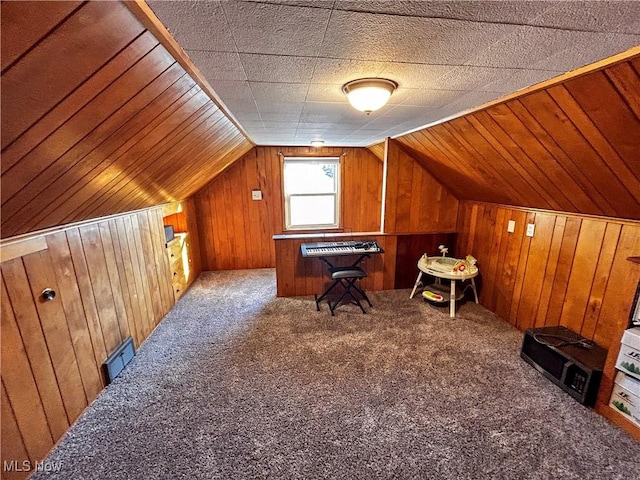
(327, 249)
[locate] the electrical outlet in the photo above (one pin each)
(530, 229)
(256, 195)
(511, 226)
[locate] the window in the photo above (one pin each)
(311, 192)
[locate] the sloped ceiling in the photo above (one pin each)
(279, 65)
(573, 146)
(98, 118)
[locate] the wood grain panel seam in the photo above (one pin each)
(42, 39)
(623, 221)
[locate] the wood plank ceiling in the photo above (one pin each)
(573, 146)
(98, 118)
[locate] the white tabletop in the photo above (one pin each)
(444, 269)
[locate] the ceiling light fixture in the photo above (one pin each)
(317, 143)
(369, 94)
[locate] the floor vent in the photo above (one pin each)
(119, 359)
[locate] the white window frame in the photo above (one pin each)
(337, 194)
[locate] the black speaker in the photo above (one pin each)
(569, 360)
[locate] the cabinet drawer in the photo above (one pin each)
(177, 272)
(179, 288)
(174, 249)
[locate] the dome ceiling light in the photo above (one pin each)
(317, 143)
(369, 94)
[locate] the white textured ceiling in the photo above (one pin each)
(279, 65)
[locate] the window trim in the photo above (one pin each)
(337, 159)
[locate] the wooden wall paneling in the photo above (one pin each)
(160, 260)
(75, 101)
(103, 144)
(35, 346)
(87, 294)
(69, 294)
(206, 238)
(285, 266)
(156, 144)
(563, 270)
(499, 267)
(473, 216)
(11, 442)
(512, 256)
(404, 180)
(550, 271)
(600, 279)
(377, 150)
(579, 190)
(585, 262)
(101, 286)
(535, 158)
(438, 162)
(351, 168)
(603, 141)
(109, 229)
(103, 28)
(392, 167)
(614, 316)
(444, 160)
(625, 79)
(192, 223)
(610, 113)
(259, 252)
(97, 120)
(66, 195)
(221, 147)
(463, 227)
(606, 189)
(128, 232)
(500, 122)
(223, 245)
(25, 24)
(56, 332)
(563, 146)
(457, 154)
(623, 280)
(373, 196)
(148, 270)
(574, 272)
(214, 141)
(104, 273)
(83, 121)
(21, 389)
(126, 274)
(237, 232)
(507, 184)
(186, 147)
(520, 273)
(389, 244)
(415, 201)
(536, 267)
(536, 107)
(491, 267)
(114, 279)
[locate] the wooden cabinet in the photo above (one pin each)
(179, 263)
